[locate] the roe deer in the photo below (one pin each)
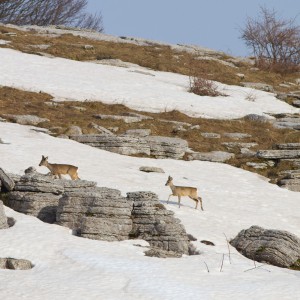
(183, 191)
(59, 169)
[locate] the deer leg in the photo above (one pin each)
(169, 198)
(200, 200)
(179, 198)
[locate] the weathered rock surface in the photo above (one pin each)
(101, 214)
(73, 130)
(6, 181)
(151, 170)
(275, 247)
(257, 118)
(126, 117)
(38, 195)
(126, 145)
(166, 147)
(26, 119)
(278, 154)
(263, 165)
(138, 132)
(291, 122)
(236, 135)
(100, 129)
(153, 223)
(15, 264)
(232, 145)
(259, 86)
(213, 156)
(290, 180)
(211, 135)
(3, 218)
(288, 146)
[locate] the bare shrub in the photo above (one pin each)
(274, 42)
(49, 12)
(203, 87)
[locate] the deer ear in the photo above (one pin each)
(43, 156)
(46, 157)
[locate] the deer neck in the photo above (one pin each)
(173, 187)
(49, 166)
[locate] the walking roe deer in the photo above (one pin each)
(59, 169)
(180, 191)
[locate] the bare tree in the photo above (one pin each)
(274, 42)
(49, 12)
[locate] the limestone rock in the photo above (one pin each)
(275, 247)
(40, 205)
(6, 181)
(233, 145)
(151, 170)
(166, 147)
(259, 86)
(288, 146)
(257, 118)
(138, 132)
(73, 130)
(210, 135)
(153, 223)
(236, 135)
(213, 156)
(278, 154)
(26, 119)
(126, 145)
(3, 218)
(126, 117)
(101, 214)
(100, 129)
(15, 264)
(291, 122)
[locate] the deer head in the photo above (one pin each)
(44, 161)
(169, 181)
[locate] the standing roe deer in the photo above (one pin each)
(59, 169)
(183, 191)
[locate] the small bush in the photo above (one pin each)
(203, 87)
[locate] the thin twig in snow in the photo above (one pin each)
(206, 267)
(229, 254)
(222, 263)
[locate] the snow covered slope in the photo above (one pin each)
(153, 92)
(68, 267)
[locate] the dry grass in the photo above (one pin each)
(156, 57)
(63, 115)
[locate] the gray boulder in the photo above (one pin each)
(257, 118)
(15, 264)
(6, 181)
(275, 247)
(236, 135)
(26, 119)
(210, 135)
(73, 130)
(278, 154)
(126, 145)
(126, 117)
(3, 218)
(101, 214)
(259, 86)
(151, 170)
(213, 156)
(288, 146)
(158, 226)
(138, 132)
(166, 147)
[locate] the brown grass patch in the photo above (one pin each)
(155, 56)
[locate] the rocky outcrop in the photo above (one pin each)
(211, 135)
(290, 180)
(15, 264)
(126, 145)
(213, 156)
(26, 119)
(166, 147)
(101, 214)
(236, 135)
(126, 117)
(38, 195)
(275, 247)
(153, 223)
(3, 218)
(6, 181)
(138, 132)
(288, 146)
(278, 154)
(288, 121)
(259, 86)
(257, 118)
(151, 169)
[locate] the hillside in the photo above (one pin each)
(79, 75)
